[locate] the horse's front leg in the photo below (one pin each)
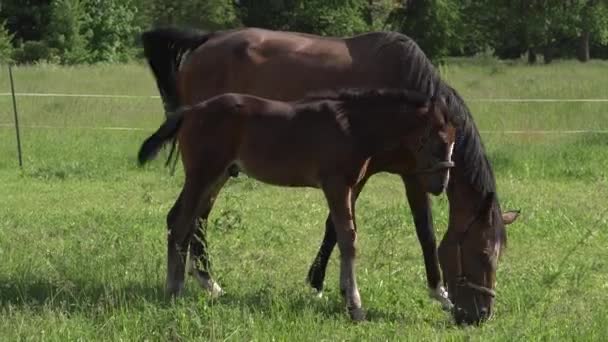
(419, 202)
(316, 273)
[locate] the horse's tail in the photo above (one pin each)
(167, 131)
(164, 48)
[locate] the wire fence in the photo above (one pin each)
(43, 121)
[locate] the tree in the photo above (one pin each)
(110, 29)
(65, 34)
(432, 23)
(591, 18)
(6, 47)
(26, 19)
(205, 14)
(325, 17)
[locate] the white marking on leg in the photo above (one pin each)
(441, 295)
(450, 151)
(207, 283)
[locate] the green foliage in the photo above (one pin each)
(110, 30)
(90, 31)
(332, 18)
(433, 24)
(6, 47)
(207, 14)
(593, 18)
(65, 31)
(26, 19)
(33, 51)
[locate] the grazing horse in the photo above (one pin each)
(323, 142)
(190, 66)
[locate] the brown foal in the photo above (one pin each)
(323, 141)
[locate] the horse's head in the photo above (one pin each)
(434, 147)
(469, 259)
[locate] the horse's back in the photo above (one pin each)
(287, 65)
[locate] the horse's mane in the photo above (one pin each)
(369, 96)
(469, 153)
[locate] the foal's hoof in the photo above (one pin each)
(357, 315)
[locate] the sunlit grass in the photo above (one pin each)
(82, 239)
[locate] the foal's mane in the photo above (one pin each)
(370, 96)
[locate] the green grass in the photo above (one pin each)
(82, 228)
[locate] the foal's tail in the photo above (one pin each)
(167, 131)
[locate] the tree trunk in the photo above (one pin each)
(548, 54)
(369, 14)
(531, 56)
(583, 47)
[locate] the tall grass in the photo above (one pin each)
(82, 233)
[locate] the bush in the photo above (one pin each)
(32, 51)
(6, 48)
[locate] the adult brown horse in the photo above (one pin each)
(190, 66)
(323, 142)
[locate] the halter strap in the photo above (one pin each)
(461, 278)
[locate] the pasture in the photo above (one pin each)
(83, 235)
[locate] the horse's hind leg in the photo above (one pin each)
(200, 264)
(181, 226)
(316, 273)
(339, 200)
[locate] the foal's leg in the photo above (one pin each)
(200, 265)
(420, 207)
(339, 200)
(316, 273)
(180, 222)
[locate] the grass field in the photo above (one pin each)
(82, 228)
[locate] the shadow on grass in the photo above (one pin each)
(270, 302)
(76, 295)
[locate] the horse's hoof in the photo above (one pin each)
(440, 294)
(216, 291)
(208, 284)
(357, 315)
(317, 294)
(174, 289)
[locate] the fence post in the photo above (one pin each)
(10, 74)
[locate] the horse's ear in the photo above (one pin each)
(486, 209)
(509, 217)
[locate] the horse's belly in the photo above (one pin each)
(281, 173)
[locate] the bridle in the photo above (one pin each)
(461, 278)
